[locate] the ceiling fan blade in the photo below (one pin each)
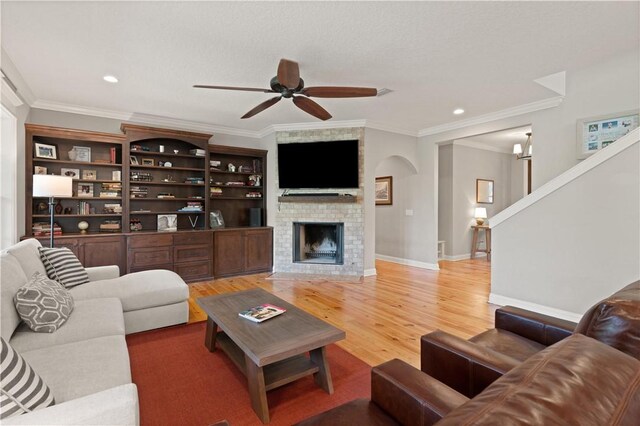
(288, 73)
(339, 92)
(266, 104)
(311, 107)
(246, 89)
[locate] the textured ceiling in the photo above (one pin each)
(481, 56)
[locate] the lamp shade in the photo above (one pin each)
(481, 212)
(517, 149)
(52, 186)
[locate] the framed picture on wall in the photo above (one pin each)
(384, 191)
(596, 133)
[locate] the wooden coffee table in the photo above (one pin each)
(271, 353)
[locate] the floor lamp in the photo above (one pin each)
(51, 186)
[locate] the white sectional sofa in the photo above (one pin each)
(86, 362)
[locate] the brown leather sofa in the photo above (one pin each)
(469, 366)
(578, 380)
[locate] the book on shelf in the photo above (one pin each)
(110, 226)
(42, 229)
(262, 312)
(197, 152)
(115, 156)
(112, 208)
(138, 191)
(84, 207)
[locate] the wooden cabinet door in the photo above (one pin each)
(150, 258)
(258, 250)
(104, 251)
(228, 253)
(71, 244)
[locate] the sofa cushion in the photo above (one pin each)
(139, 290)
(11, 280)
(616, 320)
(91, 318)
(81, 368)
(26, 252)
(508, 343)
(63, 266)
(577, 381)
(43, 304)
(23, 390)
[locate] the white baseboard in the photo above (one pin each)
(465, 256)
(496, 299)
(409, 262)
(370, 272)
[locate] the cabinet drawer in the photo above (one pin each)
(191, 253)
(192, 238)
(151, 256)
(193, 270)
(150, 241)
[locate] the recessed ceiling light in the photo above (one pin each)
(458, 111)
(110, 79)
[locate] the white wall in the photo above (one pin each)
(379, 145)
(393, 226)
(518, 179)
(577, 245)
(445, 196)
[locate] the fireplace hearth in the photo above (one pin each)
(318, 243)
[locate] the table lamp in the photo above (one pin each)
(52, 186)
(481, 215)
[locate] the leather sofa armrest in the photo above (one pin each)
(462, 365)
(540, 328)
(410, 396)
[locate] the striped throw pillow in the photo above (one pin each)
(21, 388)
(63, 266)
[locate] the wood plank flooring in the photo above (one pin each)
(383, 316)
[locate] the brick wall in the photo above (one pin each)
(351, 214)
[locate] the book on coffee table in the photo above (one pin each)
(262, 312)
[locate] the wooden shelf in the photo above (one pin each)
(96, 181)
(134, 213)
(222, 172)
(165, 154)
(318, 199)
(235, 198)
(189, 169)
(80, 215)
(141, 183)
(83, 198)
(77, 163)
(168, 199)
(236, 186)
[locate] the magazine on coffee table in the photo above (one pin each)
(262, 312)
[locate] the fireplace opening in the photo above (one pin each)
(318, 243)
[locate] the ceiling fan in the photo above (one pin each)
(289, 85)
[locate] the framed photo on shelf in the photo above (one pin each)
(133, 160)
(116, 175)
(148, 162)
(85, 190)
(167, 222)
(83, 153)
(216, 219)
(72, 173)
(46, 150)
(39, 170)
(384, 191)
(89, 175)
(595, 133)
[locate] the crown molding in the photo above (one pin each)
(148, 119)
(498, 115)
(479, 145)
(390, 129)
(311, 126)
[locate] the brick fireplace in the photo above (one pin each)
(349, 215)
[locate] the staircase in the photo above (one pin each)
(574, 240)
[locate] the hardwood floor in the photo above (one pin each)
(383, 316)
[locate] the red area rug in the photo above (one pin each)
(181, 383)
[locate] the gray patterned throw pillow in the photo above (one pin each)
(43, 304)
(63, 266)
(22, 390)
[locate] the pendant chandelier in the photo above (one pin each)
(523, 153)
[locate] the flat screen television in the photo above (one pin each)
(318, 165)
